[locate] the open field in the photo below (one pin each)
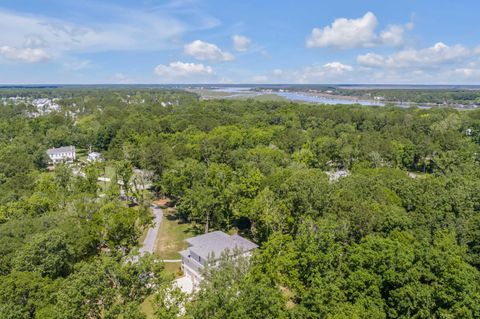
(171, 237)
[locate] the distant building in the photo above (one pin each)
(94, 157)
(62, 154)
(334, 176)
(209, 248)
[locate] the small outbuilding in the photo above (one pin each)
(94, 157)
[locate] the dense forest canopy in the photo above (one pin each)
(360, 212)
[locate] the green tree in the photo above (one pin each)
(124, 173)
(48, 254)
(25, 294)
(228, 291)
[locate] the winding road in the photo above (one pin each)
(149, 241)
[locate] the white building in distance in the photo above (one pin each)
(209, 248)
(94, 157)
(64, 154)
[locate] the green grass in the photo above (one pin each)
(174, 268)
(147, 308)
(170, 241)
(269, 97)
(143, 236)
(109, 171)
(81, 154)
(171, 237)
(102, 186)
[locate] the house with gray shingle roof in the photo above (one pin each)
(209, 248)
(62, 154)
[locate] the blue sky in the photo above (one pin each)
(196, 41)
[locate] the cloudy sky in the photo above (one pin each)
(248, 41)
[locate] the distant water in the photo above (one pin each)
(233, 89)
(293, 96)
(296, 96)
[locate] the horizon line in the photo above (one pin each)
(2, 85)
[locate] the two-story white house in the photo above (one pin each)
(66, 154)
(209, 248)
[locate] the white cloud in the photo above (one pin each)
(277, 72)
(132, 31)
(477, 50)
(332, 72)
(468, 72)
(260, 79)
(439, 53)
(337, 67)
(329, 72)
(207, 51)
(392, 35)
(122, 78)
(346, 33)
(409, 25)
(264, 53)
(371, 60)
(76, 65)
(181, 69)
(344, 73)
(29, 37)
(28, 55)
(241, 43)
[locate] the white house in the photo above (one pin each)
(209, 248)
(94, 157)
(65, 154)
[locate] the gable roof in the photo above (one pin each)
(63, 149)
(215, 243)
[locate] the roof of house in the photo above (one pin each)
(63, 149)
(215, 243)
(94, 154)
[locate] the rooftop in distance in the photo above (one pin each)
(215, 243)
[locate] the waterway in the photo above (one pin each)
(294, 96)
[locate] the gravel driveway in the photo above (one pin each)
(149, 241)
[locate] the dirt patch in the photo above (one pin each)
(163, 202)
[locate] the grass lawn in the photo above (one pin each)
(171, 236)
(174, 268)
(109, 171)
(170, 241)
(81, 154)
(147, 308)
